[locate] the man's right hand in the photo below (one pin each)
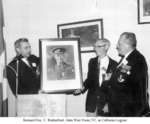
(77, 92)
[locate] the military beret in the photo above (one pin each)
(59, 50)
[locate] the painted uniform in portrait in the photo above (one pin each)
(58, 68)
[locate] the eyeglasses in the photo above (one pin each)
(100, 46)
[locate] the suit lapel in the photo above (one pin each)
(97, 65)
(109, 66)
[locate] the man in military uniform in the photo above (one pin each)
(59, 69)
(128, 93)
(26, 66)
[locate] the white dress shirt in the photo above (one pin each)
(104, 62)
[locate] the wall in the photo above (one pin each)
(36, 19)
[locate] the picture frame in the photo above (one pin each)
(60, 65)
(87, 31)
(143, 11)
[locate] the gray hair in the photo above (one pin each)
(131, 37)
(19, 41)
(104, 40)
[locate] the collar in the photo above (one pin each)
(104, 59)
(104, 62)
(25, 60)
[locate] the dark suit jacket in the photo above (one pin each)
(129, 98)
(95, 93)
(29, 81)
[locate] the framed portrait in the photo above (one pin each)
(87, 31)
(60, 65)
(143, 11)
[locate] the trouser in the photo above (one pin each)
(92, 114)
(121, 110)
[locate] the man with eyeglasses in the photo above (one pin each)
(98, 82)
(27, 69)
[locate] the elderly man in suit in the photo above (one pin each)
(26, 66)
(98, 82)
(128, 93)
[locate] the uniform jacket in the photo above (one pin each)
(28, 80)
(128, 94)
